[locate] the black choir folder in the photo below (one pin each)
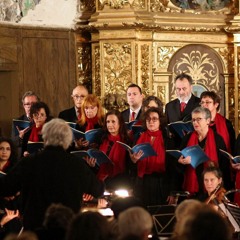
(235, 159)
(181, 128)
(130, 124)
(91, 135)
(21, 124)
(145, 147)
(2, 174)
(33, 147)
(100, 156)
(198, 156)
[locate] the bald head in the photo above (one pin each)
(78, 95)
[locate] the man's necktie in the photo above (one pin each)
(132, 116)
(183, 105)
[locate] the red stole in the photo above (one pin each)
(237, 186)
(190, 183)
(152, 164)
(117, 154)
(5, 166)
(35, 132)
(222, 130)
(91, 122)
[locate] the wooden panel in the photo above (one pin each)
(46, 64)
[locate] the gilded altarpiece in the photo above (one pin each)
(148, 42)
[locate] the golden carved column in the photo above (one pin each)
(121, 54)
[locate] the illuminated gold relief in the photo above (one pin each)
(139, 4)
(84, 67)
(227, 55)
(97, 76)
(164, 54)
(117, 67)
(86, 5)
(161, 93)
(115, 4)
(145, 68)
(201, 67)
(158, 5)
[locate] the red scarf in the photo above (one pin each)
(35, 132)
(91, 122)
(5, 166)
(117, 154)
(222, 130)
(190, 183)
(152, 164)
(237, 186)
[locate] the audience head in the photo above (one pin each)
(89, 226)
(206, 223)
(183, 86)
(201, 118)
(78, 95)
(28, 99)
(212, 178)
(8, 150)
(58, 216)
(91, 108)
(210, 100)
(184, 210)
(134, 96)
(121, 204)
(135, 221)
(40, 113)
(57, 133)
(152, 101)
(152, 119)
(25, 235)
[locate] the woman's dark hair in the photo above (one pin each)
(213, 96)
(122, 129)
(148, 99)
(37, 106)
(89, 226)
(212, 168)
(146, 116)
(14, 154)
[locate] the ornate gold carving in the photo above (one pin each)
(145, 68)
(201, 67)
(159, 5)
(164, 54)
(117, 67)
(139, 4)
(86, 5)
(97, 76)
(115, 101)
(115, 4)
(227, 55)
(161, 93)
(84, 67)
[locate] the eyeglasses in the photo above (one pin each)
(28, 104)
(37, 115)
(207, 102)
(78, 96)
(197, 120)
(152, 119)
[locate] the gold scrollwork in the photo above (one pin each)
(84, 66)
(164, 54)
(139, 4)
(117, 67)
(201, 67)
(158, 5)
(97, 82)
(161, 94)
(227, 56)
(115, 4)
(145, 68)
(86, 5)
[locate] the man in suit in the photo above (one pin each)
(180, 109)
(28, 99)
(134, 99)
(73, 114)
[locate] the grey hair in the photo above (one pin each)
(57, 133)
(205, 111)
(30, 93)
(134, 221)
